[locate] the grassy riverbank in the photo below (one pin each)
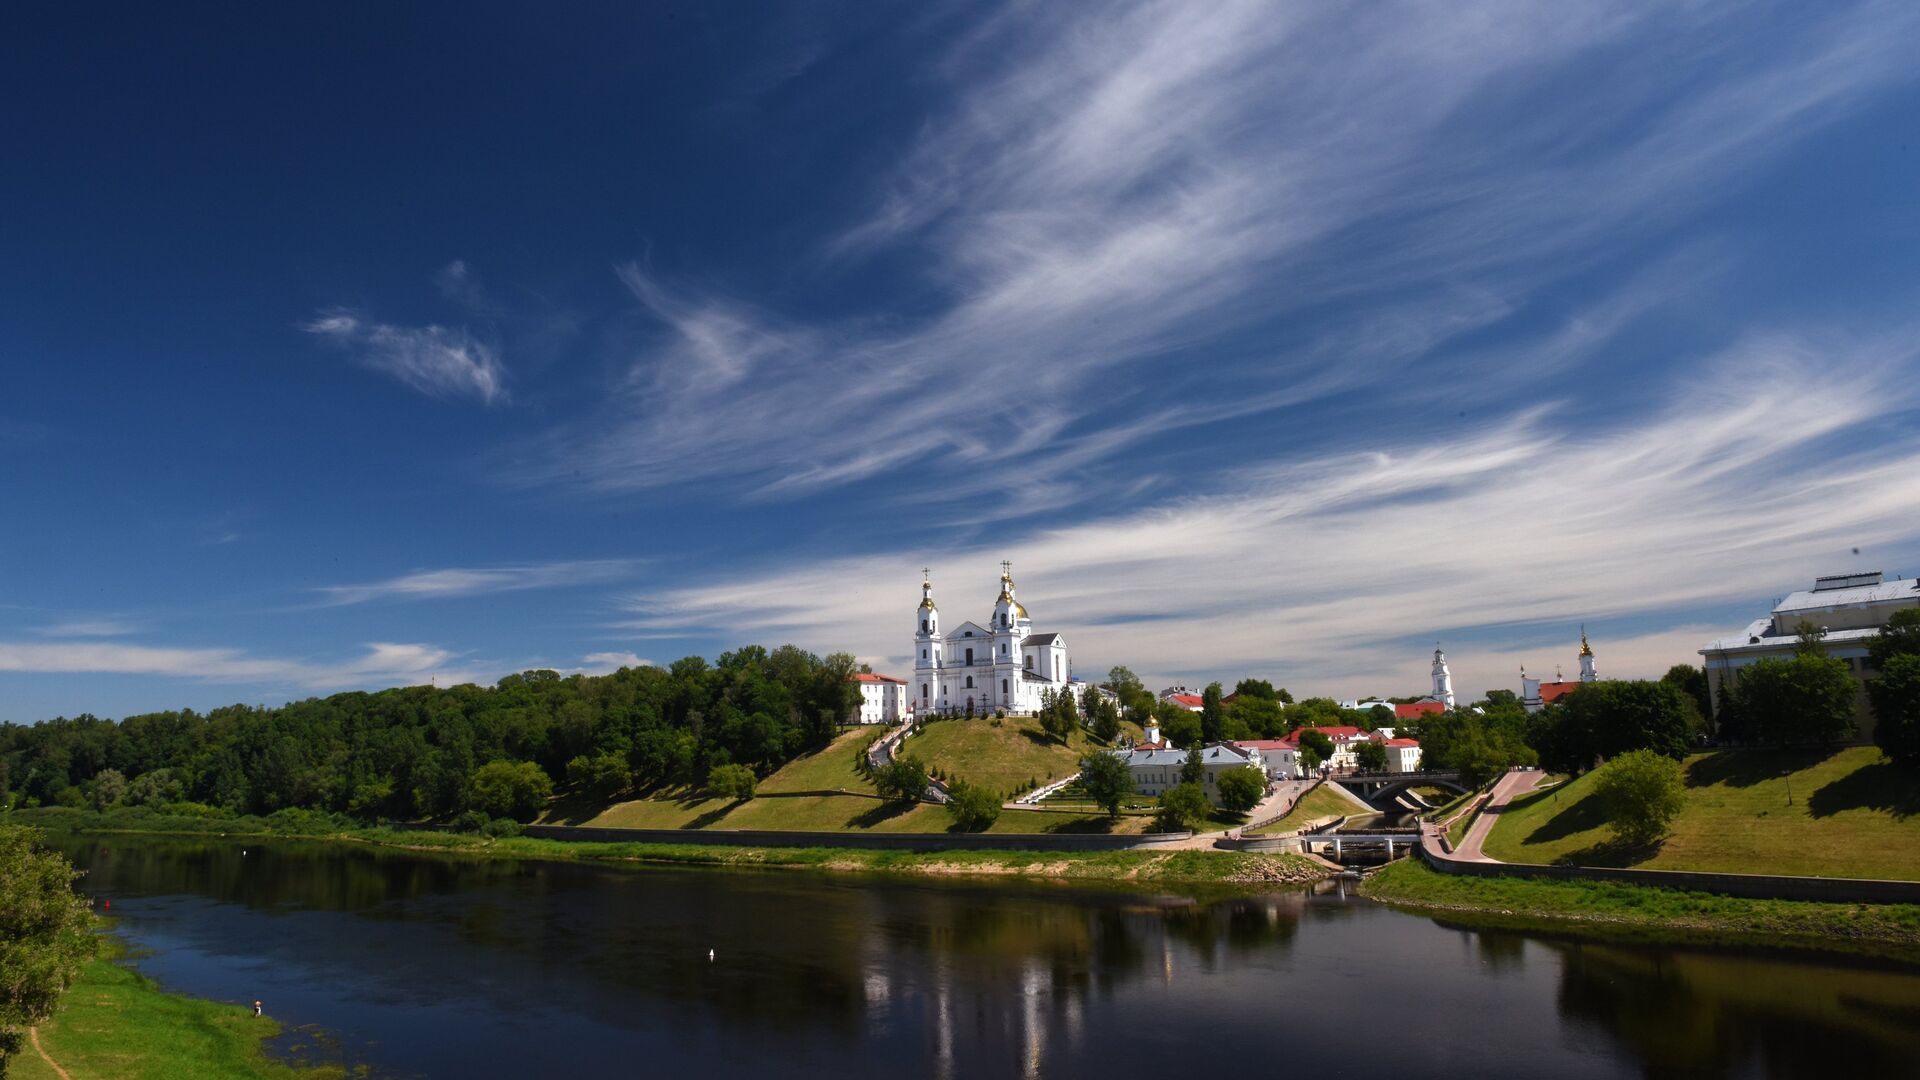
(114, 1022)
(1619, 912)
(1143, 868)
(1844, 813)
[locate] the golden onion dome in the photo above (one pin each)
(1585, 649)
(926, 603)
(1019, 610)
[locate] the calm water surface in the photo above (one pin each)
(427, 966)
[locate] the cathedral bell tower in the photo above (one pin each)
(927, 694)
(1442, 679)
(1589, 671)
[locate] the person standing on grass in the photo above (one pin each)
(256, 1008)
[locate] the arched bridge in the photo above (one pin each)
(1382, 789)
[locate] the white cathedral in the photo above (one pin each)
(1003, 665)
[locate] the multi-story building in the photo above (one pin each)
(1003, 665)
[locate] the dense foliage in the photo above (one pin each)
(1182, 808)
(902, 781)
(973, 809)
(735, 782)
(1612, 717)
(1643, 792)
(1809, 698)
(46, 933)
(1107, 780)
(415, 751)
(1240, 789)
(1895, 689)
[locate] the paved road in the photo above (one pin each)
(1509, 787)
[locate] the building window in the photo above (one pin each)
(1029, 663)
(923, 691)
(1003, 686)
(923, 654)
(969, 656)
(969, 682)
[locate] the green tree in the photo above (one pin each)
(1123, 682)
(1371, 756)
(973, 809)
(1058, 715)
(1241, 789)
(1177, 725)
(1895, 694)
(599, 777)
(511, 789)
(1643, 791)
(1809, 698)
(903, 781)
(1254, 688)
(1213, 716)
(1107, 780)
(1316, 741)
(1899, 637)
(109, 786)
(1611, 717)
(735, 782)
(1194, 769)
(1378, 717)
(1182, 808)
(1105, 716)
(46, 933)
(1810, 640)
(1692, 684)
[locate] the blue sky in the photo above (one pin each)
(346, 345)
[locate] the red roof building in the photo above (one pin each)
(1415, 709)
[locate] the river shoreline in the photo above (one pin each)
(1141, 869)
(1634, 914)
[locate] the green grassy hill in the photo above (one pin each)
(1321, 802)
(1846, 814)
(796, 798)
(999, 755)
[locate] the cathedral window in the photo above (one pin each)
(969, 658)
(1003, 686)
(1029, 663)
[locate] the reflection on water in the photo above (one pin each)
(430, 965)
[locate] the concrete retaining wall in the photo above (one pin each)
(1749, 886)
(860, 841)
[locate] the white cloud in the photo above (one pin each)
(1760, 473)
(382, 664)
(89, 628)
(1109, 191)
(473, 581)
(602, 663)
(435, 360)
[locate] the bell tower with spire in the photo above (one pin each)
(927, 693)
(1442, 679)
(1589, 671)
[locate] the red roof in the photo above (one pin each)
(1191, 701)
(1403, 742)
(1265, 744)
(868, 676)
(1418, 708)
(1337, 734)
(1551, 692)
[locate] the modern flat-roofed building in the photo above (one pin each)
(1850, 608)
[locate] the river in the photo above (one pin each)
(439, 966)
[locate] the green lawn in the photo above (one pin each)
(116, 1023)
(1001, 759)
(1320, 803)
(1852, 814)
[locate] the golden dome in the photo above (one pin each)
(1585, 649)
(926, 603)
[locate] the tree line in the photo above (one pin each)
(426, 752)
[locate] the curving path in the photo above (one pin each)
(1505, 790)
(33, 1036)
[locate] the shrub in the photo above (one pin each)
(735, 782)
(1895, 694)
(1643, 792)
(1106, 780)
(472, 821)
(502, 827)
(974, 809)
(1182, 808)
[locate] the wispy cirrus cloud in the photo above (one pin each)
(380, 664)
(1336, 572)
(1105, 202)
(439, 361)
(89, 627)
(449, 582)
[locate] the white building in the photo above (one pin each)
(1156, 770)
(1403, 755)
(1442, 680)
(883, 699)
(1536, 695)
(1184, 698)
(1851, 608)
(1002, 665)
(1281, 758)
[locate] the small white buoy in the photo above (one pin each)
(709, 956)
